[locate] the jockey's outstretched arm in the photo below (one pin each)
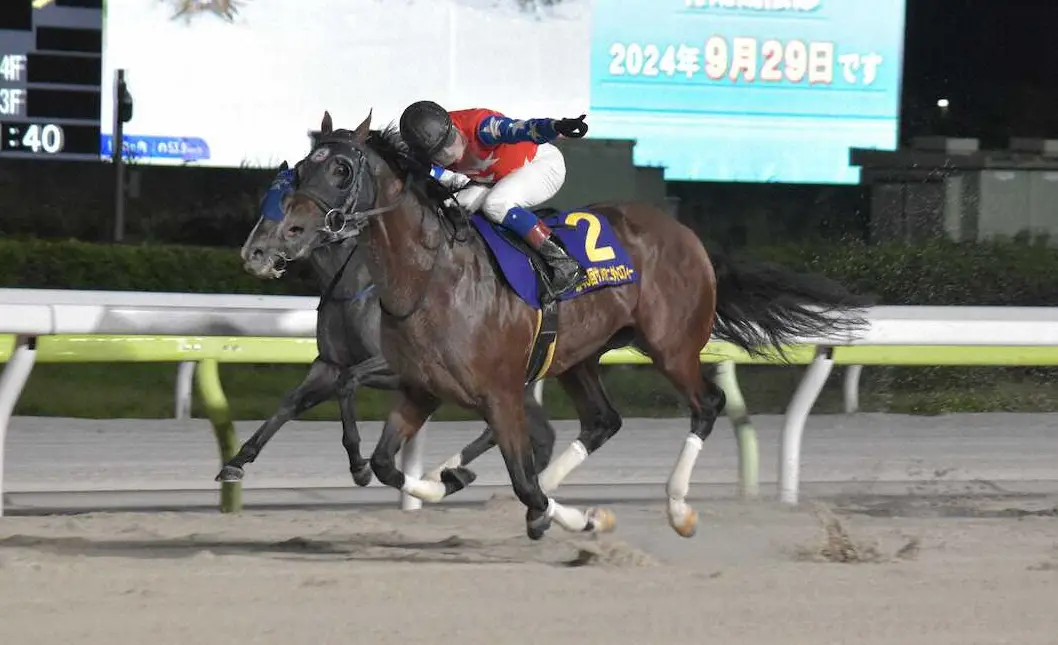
(501, 129)
(494, 130)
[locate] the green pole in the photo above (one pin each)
(745, 434)
(211, 393)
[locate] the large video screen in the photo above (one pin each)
(722, 90)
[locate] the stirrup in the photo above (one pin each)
(578, 276)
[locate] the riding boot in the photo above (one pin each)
(566, 272)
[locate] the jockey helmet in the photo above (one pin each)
(427, 129)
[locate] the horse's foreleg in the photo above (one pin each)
(358, 466)
(541, 432)
(319, 385)
(374, 373)
(599, 420)
(509, 422)
(412, 410)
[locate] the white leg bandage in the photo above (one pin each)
(427, 491)
(568, 518)
(557, 471)
(680, 480)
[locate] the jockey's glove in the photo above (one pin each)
(453, 181)
(571, 128)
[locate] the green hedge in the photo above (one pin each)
(41, 264)
(934, 273)
(937, 273)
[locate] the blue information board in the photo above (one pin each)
(142, 147)
(748, 90)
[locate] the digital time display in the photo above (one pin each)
(748, 90)
(50, 78)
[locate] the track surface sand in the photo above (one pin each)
(955, 571)
(961, 554)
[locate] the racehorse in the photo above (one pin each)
(347, 339)
(458, 324)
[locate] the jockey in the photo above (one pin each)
(510, 164)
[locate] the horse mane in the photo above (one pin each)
(388, 144)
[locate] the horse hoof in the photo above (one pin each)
(456, 479)
(362, 475)
(686, 526)
(536, 524)
(602, 520)
(230, 473)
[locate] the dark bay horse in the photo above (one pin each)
(347, 339)
(454, 330)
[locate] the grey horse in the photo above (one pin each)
(350, 356)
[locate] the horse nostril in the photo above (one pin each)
(257, 254)
(295, 231)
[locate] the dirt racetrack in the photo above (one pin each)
(900, 570)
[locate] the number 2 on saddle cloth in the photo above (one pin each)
(587, 237)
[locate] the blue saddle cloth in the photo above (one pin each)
(586, 236)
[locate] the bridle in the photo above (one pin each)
(349, 205)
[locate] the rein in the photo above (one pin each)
(341, 222)
(328, 293)
(447, 241)
(422, 293)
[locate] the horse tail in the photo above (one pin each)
(759, 304)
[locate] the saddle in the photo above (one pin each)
(587, 237)
(546, 334)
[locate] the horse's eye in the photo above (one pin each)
(342, 170)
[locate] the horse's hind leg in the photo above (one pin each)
(599, 420)
(485, 442)
(320, 384)
(541, 432)
(680, 364)
(672, 328)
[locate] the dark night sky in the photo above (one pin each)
(993, 59)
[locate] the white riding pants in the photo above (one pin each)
(531, 185)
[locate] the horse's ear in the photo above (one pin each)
(364, 128)
(327, 125)
(284, 165)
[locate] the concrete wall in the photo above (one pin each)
(949, 188)
(603, 170)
